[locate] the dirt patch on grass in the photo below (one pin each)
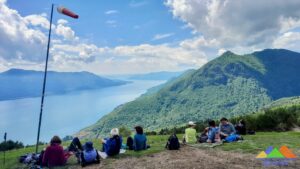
(188, 158)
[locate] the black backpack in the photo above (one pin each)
(129, 143)
(203, 138)
(173, 143)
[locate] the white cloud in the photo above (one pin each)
(241, 23)
(162, 36)
(110, 12)
(149, 58)
(218, 25)
(125, 59)
(65, 31)
(23, 41)
(288, 40)
(199, 43)
(62, 22)
(37, 20)
(221, 51)
(80, 52)
(18, 40)
(111, 23)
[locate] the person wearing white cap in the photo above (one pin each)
(190, 133)
(112, 145)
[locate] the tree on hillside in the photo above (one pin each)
(10, 145)
(124, 132)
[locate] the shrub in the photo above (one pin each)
(10, 145)
(124, 132)
(276, 119)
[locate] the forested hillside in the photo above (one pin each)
(229, 85)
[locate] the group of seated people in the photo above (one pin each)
(55, 155)
(225, 132)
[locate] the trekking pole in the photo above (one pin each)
(5, 134)
(98, 133)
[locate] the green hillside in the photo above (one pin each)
(229, 85)
(284, 102)
(283, 117)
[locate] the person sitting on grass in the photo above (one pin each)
(190, 135)
(112, 145)
(241, 127)
(213, 135)
(54, 155)
(89, 155)
(140, 139)
(75, 148)
(226, 128)
(86, 154)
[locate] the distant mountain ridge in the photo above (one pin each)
(229, 85)
(163, 75)
(19, 83)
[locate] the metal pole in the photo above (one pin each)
(5, 135)
(44, 83)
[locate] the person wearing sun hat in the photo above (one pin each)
(190, 135)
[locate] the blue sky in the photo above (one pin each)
(130, 36)
(116, 22)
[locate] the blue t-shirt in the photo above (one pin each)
(227, 129)
(211, 134)
(140, 142)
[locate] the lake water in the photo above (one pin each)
(64, 114)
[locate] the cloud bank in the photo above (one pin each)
(241, 26)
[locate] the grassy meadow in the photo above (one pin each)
(252, 144)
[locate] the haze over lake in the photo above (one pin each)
(64, 114)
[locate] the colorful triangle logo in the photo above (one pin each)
(286, 152)
(262, 155)
(269, 149)
(270, 152)
(275, 154)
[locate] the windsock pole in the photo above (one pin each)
(44, 83)
(5, 135)
(69, 13)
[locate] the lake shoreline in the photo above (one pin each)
(65, 114)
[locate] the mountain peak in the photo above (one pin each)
(228, 53)
(16, 71)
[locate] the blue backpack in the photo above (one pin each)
(232, 138)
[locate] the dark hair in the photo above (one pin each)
(139, 130)
(223, 119)
(242, 122)
(55, 140)
(212, 123)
